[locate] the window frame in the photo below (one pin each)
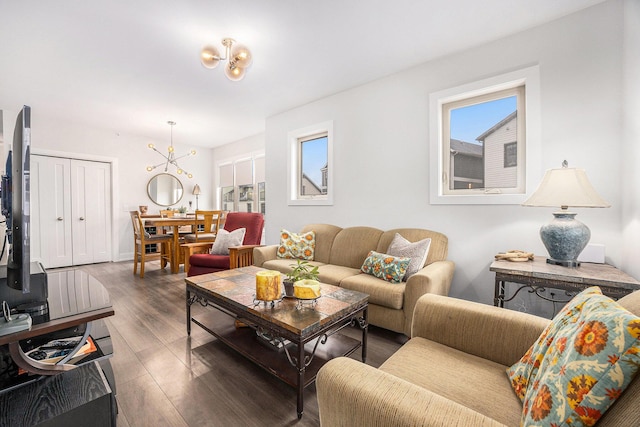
(294, 181)
(529, 158)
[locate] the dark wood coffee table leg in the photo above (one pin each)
(365, 330)
(301, 369)
(188, 313)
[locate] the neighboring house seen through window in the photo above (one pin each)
(480, 139)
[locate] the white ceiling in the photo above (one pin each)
(132, 65)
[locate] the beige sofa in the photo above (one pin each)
(450, 373)
(340, 253)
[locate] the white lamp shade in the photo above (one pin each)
(566, 187)
(196, 190)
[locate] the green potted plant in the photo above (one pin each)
(301, 270)
(182, 210)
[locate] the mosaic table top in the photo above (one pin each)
(237, 287)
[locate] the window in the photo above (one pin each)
(244, 183)
(236, 185)
(310, 181)
(510, 154)
(483, 136)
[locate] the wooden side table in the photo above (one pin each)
(537, 275)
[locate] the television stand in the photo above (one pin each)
(77, 303)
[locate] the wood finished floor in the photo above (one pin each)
(164, 378)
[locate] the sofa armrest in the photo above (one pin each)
(351, 393)
(493, 333)
(189, 249)
(264, 253)
(435, 278)
(241, 256)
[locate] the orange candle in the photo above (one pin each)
(268, 285)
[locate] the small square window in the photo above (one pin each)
(484, 139)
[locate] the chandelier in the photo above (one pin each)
(239, 58)
(171, 158)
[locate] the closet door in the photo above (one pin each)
(51, 241)
(91, 211)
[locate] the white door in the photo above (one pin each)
(51, 241)
(91, 211)
(71, 211)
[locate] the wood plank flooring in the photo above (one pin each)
(164, 378)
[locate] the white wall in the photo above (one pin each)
(381, 152)
(129, 156)
(631, 138)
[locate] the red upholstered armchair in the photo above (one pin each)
(197, 259)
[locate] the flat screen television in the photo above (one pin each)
(15, 204)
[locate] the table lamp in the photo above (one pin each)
(565, 237)
(196, 192)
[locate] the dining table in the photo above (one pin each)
(175, 223)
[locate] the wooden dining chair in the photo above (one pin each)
(211, 226)
(141, 239)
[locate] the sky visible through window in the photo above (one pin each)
(314, 158)
(468, 123)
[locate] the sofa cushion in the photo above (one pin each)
(471, 381)
(325, 234)
(297, 246)
(581, 363)
(352, 245)
(380, 292)
(386, 267)
(335, 274)
(417, 251)
(210, 261)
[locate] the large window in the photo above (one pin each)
(310, 180)
(483, 136)
(237, 181)
(475, 133)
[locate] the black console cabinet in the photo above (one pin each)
(62, 395)
(79, 397)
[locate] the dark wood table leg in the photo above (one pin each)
(365, 330)
(301, 370)
(188, 313)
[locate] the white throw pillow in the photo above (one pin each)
(226, 239)
(418, 251)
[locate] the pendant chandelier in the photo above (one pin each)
(171, 158)
(238, 56)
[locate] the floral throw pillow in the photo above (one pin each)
(581, 363)
(385, 267)
(297, 246)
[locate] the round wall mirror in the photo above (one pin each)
(165, 189)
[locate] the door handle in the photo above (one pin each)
(81, 218)
(59, 218)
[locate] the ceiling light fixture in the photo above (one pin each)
(171, 158)
(239, 58)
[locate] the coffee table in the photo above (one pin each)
(290, 339)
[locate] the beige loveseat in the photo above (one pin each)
(450, 373)
(340, 252)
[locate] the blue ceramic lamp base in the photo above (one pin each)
(565, 238)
